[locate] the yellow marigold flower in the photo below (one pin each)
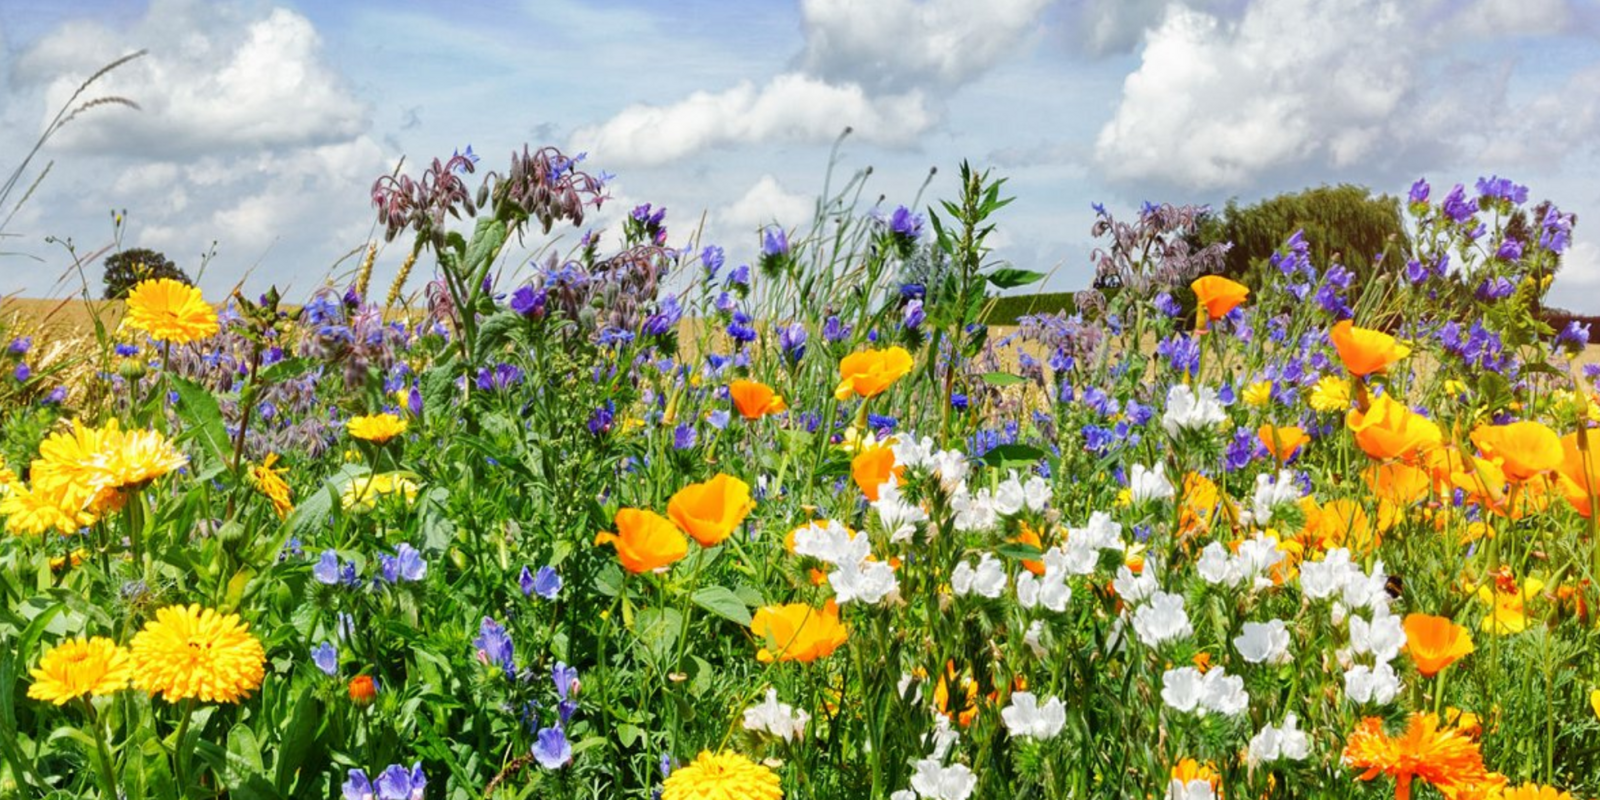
(722, 776)
(7, 477)
(80, 667)
(134, 458)
(1330, 394)
(363, 494)
(170, 311)
(1258, 394)
(71, 559)
(377, 428)
(1594, 702)
(30, 511)
(1533, 791)
(270, 483)
(1445, 757)
(870, 372)
(196, 652)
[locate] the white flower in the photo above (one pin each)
(912, 453)
(1134, 588)
(775, 718)
(1149, 484)
(1382, 637)
(832, 542)
(1027, 590)
(1270, 744)
(1161, 620)
(1188, 410)
(1193, 790)
(1319, 580)
(903, 794)
(1262, 643)
(1271, 494)
(1186, 689)
(1367, 590)
(1256, 558)
(1101, 533)
(933, 782)
(1025, 718)
(898, 517)
(943, 737)
(988, 580)
(1181, 688)
(974, 512)
(1364, 684)
(1036, 493)
(867, 581)
(1008, 496)
(1217, 567)
(1031, 638)
(951, 467)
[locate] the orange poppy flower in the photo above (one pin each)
(1523, 449)
(1365, 351)
(1031, 536)
(755, 400)
(869, 372)
(1580, 472)
(644, 540)
(967, 709)
(1447, 758)
(1218, 295)
(798, 632)
(1283, 442)
(872, 468)
(710, 511)
(1397, 482)
(1343, 523)
(1388, 430)
(1435, 642)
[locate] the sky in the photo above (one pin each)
(263, 124)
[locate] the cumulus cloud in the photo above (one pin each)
(894, 45)
(766, 203)
(218, 76)
(792, 107)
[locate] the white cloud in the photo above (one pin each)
(218, 76)
(766, 203)
(1580, 270)
(792, 107)
(894, 45)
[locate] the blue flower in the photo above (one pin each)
(914, 315)
(397, 783)
(358, 786)
(833, 330)
(528, 302)
(127, 350)
(958, 401)
(565, 679)
(792, 338)
(719, 418)
(684, 436)
(551, 748)
(906, 224)
(774, 242)
(545, 583)
(405, 565)
(1419, 191)
(20, 345)
(326, 657)
(23, 372)
(327, 569)
(494, 646)
(713, 258)
(56, 397)
(600, 421)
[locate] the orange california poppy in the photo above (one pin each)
(869, 372)
(1365, 351)
(1435, 642)
(1387, 429)
(1580, 471)
(755, 400)
(1523, 449)
(712, 510)
(644, 540)
(1029, 535)
(1447, 758)
(872, 467)
(798, 632)
(1397, 482)
(1283, 442)
(1218, 295)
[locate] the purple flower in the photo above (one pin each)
(683, 436)
(414, 402)
(914, 315)
(600, 421)
(565, 679)
(396, 783)
(358, 786)
(545, 583)
(1574, 337)
(327, 569)
(1497, 288)
(1165, 303)
(551, 748)
(56, 397)
(913, 291)
(20, 345)
(774, 242)
(792, 338)
(529, 302)
(494, 646)
(1510, 250)
(1415, 272)
(665, 320)
(503, 376)
(906, 224)
(22, 372)
(1419, 191)
(405, 565)
(326, 657)
(1555, 230)
(713, 258)
(958, 401)
(719, 418)
(127, 350)
(742, 328)
(1456, 206)
(1498, 188)
(833, 330)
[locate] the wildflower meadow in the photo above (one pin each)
(626, 519)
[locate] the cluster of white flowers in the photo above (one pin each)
(1252, 564)
(1197, 789)
(1189, 690)
(899, 517)
(775, 718)
(1013, 495)
(1051, 589)
(1270, 743)
(1024, 718)
(1379, 636)
(854, 576)
(1162, 619)
(1149, 483)
(1263, 642)
(1272, 494)
(949, 466)
(932, 780)
(987, 580)
(1188, 409)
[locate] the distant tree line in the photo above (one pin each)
(127, 268)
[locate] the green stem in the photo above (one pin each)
(103, 762)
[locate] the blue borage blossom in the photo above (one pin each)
(495, 648)
(326, 657)
(546, 582)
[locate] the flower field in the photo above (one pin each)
(632, 520)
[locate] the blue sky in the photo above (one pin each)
(264, 123)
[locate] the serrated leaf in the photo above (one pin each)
(198, 409)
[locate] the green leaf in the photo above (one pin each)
(657, 629)
(1019, 551)
(199, 410)
(1003, 379)
(285, 370)
(1014, 455)
(1008, 278)
(487, 238)
(721, 600)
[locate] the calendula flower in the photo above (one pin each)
(754, 400)
(196, 652)
(1218, 295)
(80, 667)
(722, 776)
(377, 428)
(1389, 430)
(1282, 442)
(869, 372)
(363, 690)
(1594, 702)
(1533, 791)
(798, 632)
(30, 511)
(363, 493)
(1444, 757)
(1508, 612)
(645, 541)
(1523, 450)
(1365, 351)
(170, 311)
(1330, 394)
(1257, 394)
(1435, 642)
(711, 511)
(270, 483)
(872, 467)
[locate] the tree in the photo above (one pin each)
(1346, 221)
(126, 269)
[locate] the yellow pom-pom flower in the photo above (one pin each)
(722, 776)
(196, 652)
(80, 667)
(377, 428)
(170, 311)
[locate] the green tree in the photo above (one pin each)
(125, 269)
(1345, 223)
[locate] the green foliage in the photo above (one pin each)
(126, 269)
(1007, 309)
(1343, 223)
